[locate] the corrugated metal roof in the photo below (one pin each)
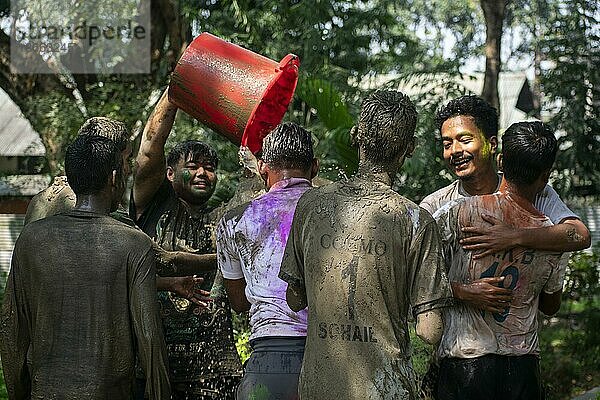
(17, 136)
(10, 228)
(23, 185)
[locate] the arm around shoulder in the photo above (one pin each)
(570, 234)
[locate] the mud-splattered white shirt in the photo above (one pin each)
(250, 243)
(361, 254)
(470, 332)
(547, 201)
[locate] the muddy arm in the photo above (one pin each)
(150, 161)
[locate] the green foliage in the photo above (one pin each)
(241, 333)
(330, 123)
(571, 46)
(570, 344)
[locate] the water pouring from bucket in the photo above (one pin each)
(236, 92)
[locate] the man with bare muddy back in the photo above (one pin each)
(169, 203)
(81, 294)
(360, 256)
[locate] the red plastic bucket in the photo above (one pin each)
(236, 92)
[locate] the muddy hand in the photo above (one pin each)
(484, 294)
(489, 240)
(188, 287)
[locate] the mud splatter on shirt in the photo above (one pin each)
(203, 361)
(80, 300)
(469, 332)
(362, 255)
(250, 244)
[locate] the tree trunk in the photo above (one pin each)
(493, 12)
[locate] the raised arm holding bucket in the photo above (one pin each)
(242, 96)
(239, 94)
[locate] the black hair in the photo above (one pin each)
(108, 128)
(288, 146)
(192, 150)
(528, 150)
(386, 125)
(485, 116)
(89, 163)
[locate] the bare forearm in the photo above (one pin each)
(150, 160)
(164, 283)
(563, 237)
(181, 263)
(295, 298)
(549, 304)
(236, 292)
(430, 326)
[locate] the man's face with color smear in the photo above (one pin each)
(466, 149)
(194, 180)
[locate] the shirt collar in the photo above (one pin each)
(291, 182)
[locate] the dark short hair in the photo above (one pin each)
(288, 146)
(192, 150)
(528, 150)
(485, 116)
(89, 163)
(386, 125)
(108, 128)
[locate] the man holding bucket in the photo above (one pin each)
(171, 208)
(251, 239)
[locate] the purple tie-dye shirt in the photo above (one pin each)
(250, 244)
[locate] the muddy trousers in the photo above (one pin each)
(272, 371)
(490, 377)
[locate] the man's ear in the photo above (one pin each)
(499, 161)
(170, 174)
(353, 134)
(263, 171)
(410, 148)
(314, 169)
(494, 143)
(262, 167)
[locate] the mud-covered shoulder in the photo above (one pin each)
(434, 201)
(315, 195)
(235, 212)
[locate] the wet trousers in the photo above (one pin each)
(272, 371)
(490, 377)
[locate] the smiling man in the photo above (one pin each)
(469, 129)
(170, 197)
